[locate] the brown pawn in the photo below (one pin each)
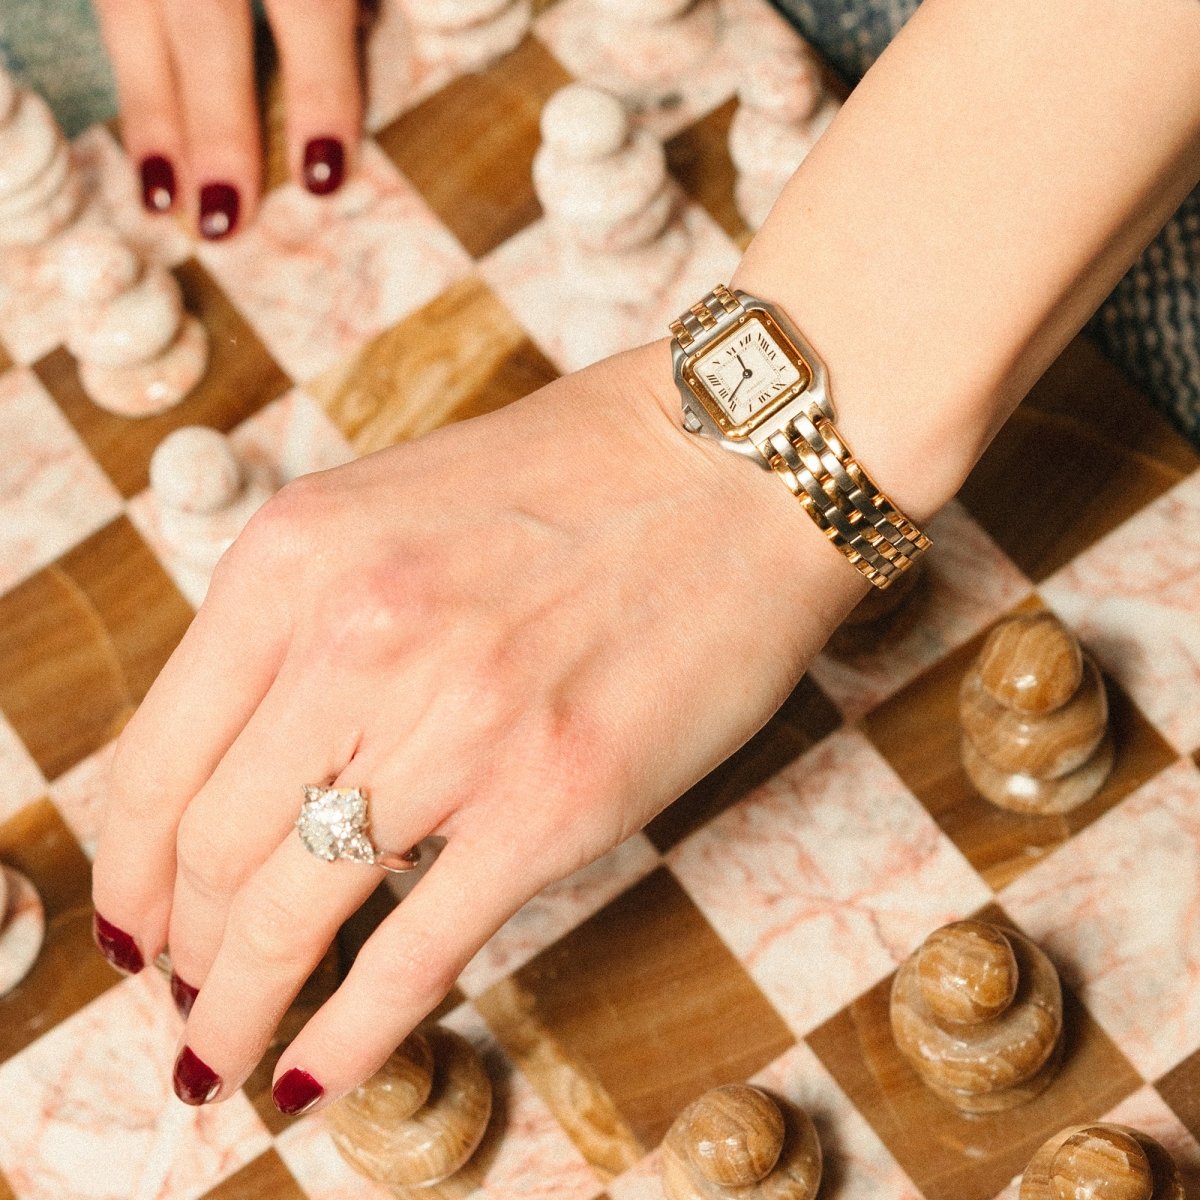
(739, 1141)
(1035, 718)
(977, 1011)
(1101, 1162)
(420, 1118)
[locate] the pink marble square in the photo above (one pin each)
(531, 274)
(318, 277)
(825, 878)
(1145, 1110)
(1134, 599)
(533, 1159)
(556, 911)
(1117, 911)
(52, 492)
(21, 782)
(80, 796)
(110, 180)
(968, 582)
(87, 1111)
(291, 436)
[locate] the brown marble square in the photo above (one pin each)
(1082, 454)
(69, 972)
(805, 717)
(1180, 1088)
(948, 1155)
(917, 730)
(628, 1018)
(263, 1178)
(469, 148)
(461, 355)
(241, 377)
(698, 157)
(82, 640)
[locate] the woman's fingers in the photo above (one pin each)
(151, 121)
(212, 48)
(197, 706)
(321, 87)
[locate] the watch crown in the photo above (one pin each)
(690, 421)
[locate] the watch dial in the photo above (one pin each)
(746, 371)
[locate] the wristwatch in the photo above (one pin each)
(750, 381)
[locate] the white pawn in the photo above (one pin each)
(472, 32)
(205, 496)
(22, 927)
(604, 188)
(784, 107)
(39, 193)
(139, 352)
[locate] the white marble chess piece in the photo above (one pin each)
(784, 107)
(39, 191)
(138, 351)
(22, 927)
(608, 199)
(204, 495)
(471, 32)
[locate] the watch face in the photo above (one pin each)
(746, 372)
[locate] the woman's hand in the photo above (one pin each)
(526, 633)
(189, 110)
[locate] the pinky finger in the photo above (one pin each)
(402, 972)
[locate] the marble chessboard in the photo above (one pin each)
(752, 930)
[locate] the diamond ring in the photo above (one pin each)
(333, 824)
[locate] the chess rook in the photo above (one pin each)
(1101, 1162)
(39, 193)
(139, 352)
(977, 1011)
(1035, 718)
(420, 1118)
(476, 32)
(738, 1141)
(784, 107)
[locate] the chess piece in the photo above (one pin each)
(471, 32)
(737, 1141)
(39, 192)
(784, 107)
(139, 352)
(1035, 718)
(22, 927)
(205, 495)
(1101, 1162)
(606, 194)
(977, 1011)
(421, 1117)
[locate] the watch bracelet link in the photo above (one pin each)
(811, 458)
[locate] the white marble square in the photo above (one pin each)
(21, 781)
(968, 582)
(80, 795)
(1117, 911)
(318, 277)
(53, 494)
(1134, 599)
(87, 1110)
(556, 911)
(825, 878)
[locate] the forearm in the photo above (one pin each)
(981, 192)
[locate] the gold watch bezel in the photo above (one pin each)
(714, 408)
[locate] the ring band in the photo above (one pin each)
(333, 824)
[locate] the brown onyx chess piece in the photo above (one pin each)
(739, 1141)
(1035, 718)
(977, 1011)
(1101, 1162)
(420, 1118)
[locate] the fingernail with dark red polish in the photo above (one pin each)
(324, 165)
(219, 203)
(158, 184)
(296, 1091)
(117, 946)
(195, 1081)
(183, 994)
